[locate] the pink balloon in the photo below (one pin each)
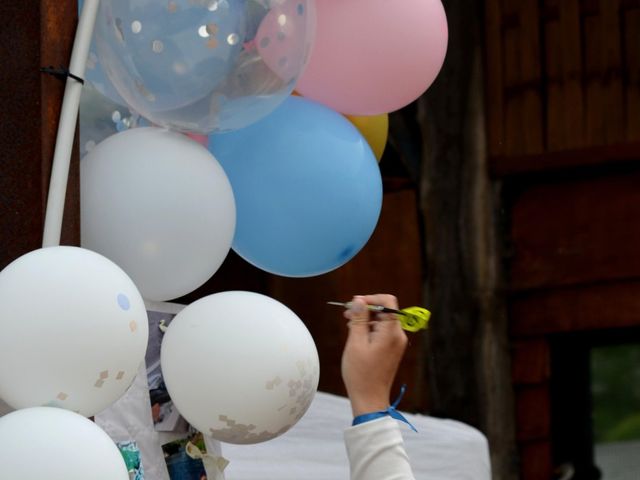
(201, 139)
(374, 56)
(280, 39)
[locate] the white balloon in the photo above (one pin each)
(51, 443)
(73, 330)
(160, 206)
(240, 366)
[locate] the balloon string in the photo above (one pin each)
(67, 125)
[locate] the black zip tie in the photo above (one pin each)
(61, 73)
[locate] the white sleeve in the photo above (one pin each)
(376, 451)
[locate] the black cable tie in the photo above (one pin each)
(61, 73)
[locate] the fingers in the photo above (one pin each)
(358, 317)
(390, 327)
(383, 299)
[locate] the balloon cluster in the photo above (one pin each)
(230, 157)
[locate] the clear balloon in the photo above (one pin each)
(94, 75)
(74, 331)
(160, 206)
(240, 366)
(56, 444)
(374, 56)
(205, 65)
(100, 118)
(307, 186)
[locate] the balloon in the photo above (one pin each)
(160, 206)
(240, 366)
(100, 118)
(307, 186)
(278, 39)
(375, 129)
(210, 65)
(74, 331)
(201, 139)
(374, 56)
(56, 444)
(94, 75)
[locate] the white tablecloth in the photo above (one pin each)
(314, 449)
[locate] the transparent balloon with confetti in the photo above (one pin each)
(204, 66)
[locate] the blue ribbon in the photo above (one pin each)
(390, 411)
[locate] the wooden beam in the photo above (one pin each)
(468, 363)
(531, 362)
(631, 63)
(575, 159)
(533, 411)
(576, 309)
(580, 230)
(33, 35)
(536, 460)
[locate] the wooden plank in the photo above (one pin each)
(530, 361)
(522, 67)
(632, 67)
(514, 121)
(555, 133)
(578, 159)
(614, 105)
(594, 52)
(572, 90)
(575, 232)
(31, 102)
(21, 195)
(536, 460)
(494, 78)
(531, 76)
(533, 413)
(597, 307)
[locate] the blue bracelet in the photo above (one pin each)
(390, 411)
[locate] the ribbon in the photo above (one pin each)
(213, 465)
(390, 411)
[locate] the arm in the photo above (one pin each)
(370, 360)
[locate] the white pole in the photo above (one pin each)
(67, 126)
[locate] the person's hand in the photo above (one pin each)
(372, 354)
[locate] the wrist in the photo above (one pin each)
(364, 407)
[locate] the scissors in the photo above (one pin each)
(411, 319)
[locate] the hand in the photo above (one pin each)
(372, 353)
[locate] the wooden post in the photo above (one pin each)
(468, 353)
(34, 34)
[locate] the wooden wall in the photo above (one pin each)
(33, 35)
(563, 111)
(561, 74)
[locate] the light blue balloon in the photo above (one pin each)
(307, 186)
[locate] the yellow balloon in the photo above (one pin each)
(375, 129)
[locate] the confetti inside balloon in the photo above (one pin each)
(198, 66)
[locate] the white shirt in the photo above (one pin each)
(376, 451)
